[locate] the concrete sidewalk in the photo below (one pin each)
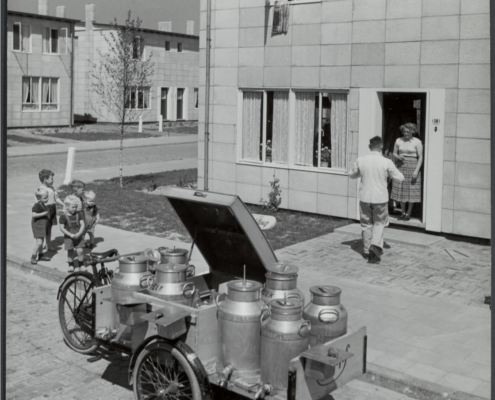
(44, 149)
(428, 329)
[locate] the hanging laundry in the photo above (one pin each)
(280, 17)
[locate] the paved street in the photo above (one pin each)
(91, 160)
(41, 366)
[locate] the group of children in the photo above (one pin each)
(80, 216)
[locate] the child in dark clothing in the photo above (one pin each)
(72, 226)
(40, 224)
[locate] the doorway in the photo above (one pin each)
(400, 108)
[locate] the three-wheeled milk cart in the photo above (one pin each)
(244, 326)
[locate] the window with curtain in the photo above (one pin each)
(30, 93)
(318, 135)
(51, 40)
(180, 103)
(62, 41)
(49, 94)
(251, 125)
(139, 98)
(21, 37)
(196, 97)
(138, 48)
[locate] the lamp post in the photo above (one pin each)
(207, 90)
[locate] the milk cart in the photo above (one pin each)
(187, 332)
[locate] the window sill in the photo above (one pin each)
(54, 54)
(295, 2)
(21, 51)
(326, 170)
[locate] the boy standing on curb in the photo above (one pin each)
(46, 179)
(72, 226)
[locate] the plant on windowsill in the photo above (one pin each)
(274, 197)
(268, 153)
(325, 156)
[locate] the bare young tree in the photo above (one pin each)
(120, 84)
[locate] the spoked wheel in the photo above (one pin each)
(76, 313)
(162, 372)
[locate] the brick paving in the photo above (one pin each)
(428, 272)
(40, 366)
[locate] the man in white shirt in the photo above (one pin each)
(374, 170)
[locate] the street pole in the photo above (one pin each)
(207, 89)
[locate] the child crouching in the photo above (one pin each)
(72, 226)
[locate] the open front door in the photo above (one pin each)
(371, 124)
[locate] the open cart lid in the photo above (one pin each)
(224, 231)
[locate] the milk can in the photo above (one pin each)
(169, 283)
(129, 276)
(239, 328)
(327, 316)
(173, 256)
(281, 280)
(284, 335)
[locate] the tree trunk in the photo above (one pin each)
(121, 154)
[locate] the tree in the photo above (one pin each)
(121, 84)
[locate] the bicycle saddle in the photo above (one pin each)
(105, 254)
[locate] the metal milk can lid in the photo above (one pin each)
(133, 260)
(152, 254)
(244, 290)
(172, 252)
(325, 291)
(282, 268)
(286, 307)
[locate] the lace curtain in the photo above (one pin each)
(280, 127)
(45, 90)
(53, 90)
(304, 130)
(338, 129)
(25, 90)
(251, 125)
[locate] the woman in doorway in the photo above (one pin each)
(408, 153)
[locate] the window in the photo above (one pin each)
(139, 98)
(318, 134)
(22, 37)
(30, 93)
(49, 94)
(179, 47)
(55, 41)
(196, 97)
(138, 48)
(265, 137)
(180, 103)
(167, 45)
(39, 94)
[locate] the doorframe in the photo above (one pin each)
(370, 125)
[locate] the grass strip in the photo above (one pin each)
(133, 210)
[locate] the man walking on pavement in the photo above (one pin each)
(374, 170)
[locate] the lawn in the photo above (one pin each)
(134, 210)
(27, 139)
(96, 132)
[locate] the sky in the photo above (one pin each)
(150, 11)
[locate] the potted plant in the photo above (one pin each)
(325, 156)
(268, 153)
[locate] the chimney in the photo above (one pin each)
(90, 16)
(61, 11)
(165, 26)
(43, 7)
(190, 28)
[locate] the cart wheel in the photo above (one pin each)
(76, 313)
(162, 372)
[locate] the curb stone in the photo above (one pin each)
(398, 382)
(49, 273)
(411, 386)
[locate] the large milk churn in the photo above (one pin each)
(239, 324)
(284, 335)
(327, 316)
(130, 276)
(169, 283)
(281, 280)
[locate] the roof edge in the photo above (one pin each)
(82, 23)
(51, 17)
